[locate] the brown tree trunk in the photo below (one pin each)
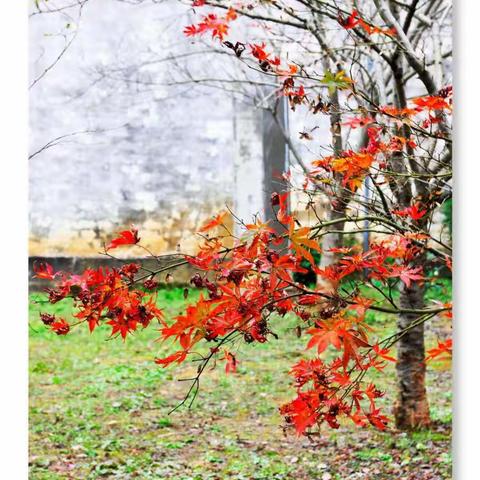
(411, 409)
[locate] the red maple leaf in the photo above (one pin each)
(323, 336)
(383, 353)
(358, 418)
(60, 327)
(127, 237)
(407, 274)
(432, 102)
(231, 362)
(351, 22)
(282, 215)
(377, 419)
(413, 212)
(43, 270)
(178, 357)
(351, 341)
(302, 243)
(302, 411)
(442, 349)
(258, 51)
(190, 30)
(122, 326)
(214, 222)
(448, 263)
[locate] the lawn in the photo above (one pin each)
(99, 409)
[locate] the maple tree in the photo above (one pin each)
(390, 185)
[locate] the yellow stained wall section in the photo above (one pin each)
(160, 237)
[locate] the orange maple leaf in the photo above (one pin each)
(214, 222)
(301, 242)
(443, 349)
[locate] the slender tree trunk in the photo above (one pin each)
(411, 409)
(339, 205)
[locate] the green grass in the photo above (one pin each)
(99, 409)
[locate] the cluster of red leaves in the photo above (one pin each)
(270, 63)
(267, 62)
(103, 295)
(354, 20)
(428, 107)
(386, 259)
(354, 166)
(218, 26)
(253, 281)
(323, 390)
(251, 284)
(245, 288)
(350, 165)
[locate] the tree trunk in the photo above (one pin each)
(411, 409)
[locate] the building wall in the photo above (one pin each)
(142, 151)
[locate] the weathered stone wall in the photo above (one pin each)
(158, 156)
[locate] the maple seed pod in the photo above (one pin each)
(210, 336)
(328, 312)
(322, 379)
(248, 337)
(239, 48)
(265, 66)
(47, 319)
(197, 280)
(150, 284)
(275, 199)
(235, 276)
(322, 397)
(262, 326)
(333, 410)
(55, 296)
(445, 92)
